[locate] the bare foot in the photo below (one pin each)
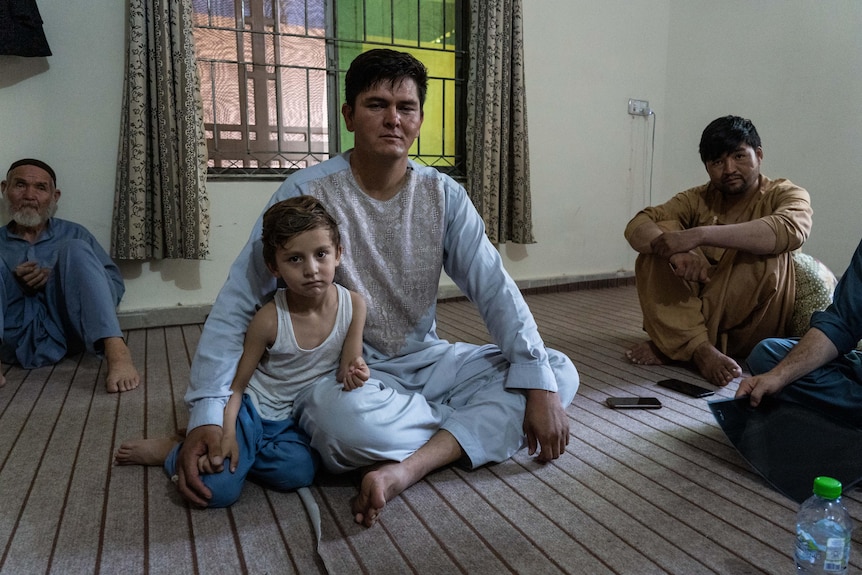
(646, 353)
(2, 376)
(379, 485)
(144, 451)
(717, 368)
(385, 480)
(122, 375)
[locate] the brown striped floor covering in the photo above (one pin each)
(639, 492)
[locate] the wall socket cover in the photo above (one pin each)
(639, 107)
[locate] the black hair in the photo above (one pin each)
(724, 135)
(383, 65)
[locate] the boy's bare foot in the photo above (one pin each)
(122, 375)
(144, 451)
(646, 353)
(379, 485)
(717, 368)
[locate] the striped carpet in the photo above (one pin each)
(639, 491)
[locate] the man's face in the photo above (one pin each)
(385, 119)
(736, 172)
(30, 196)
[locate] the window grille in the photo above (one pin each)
(272, 78)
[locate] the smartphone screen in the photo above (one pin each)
(684, 387)
(633, 402)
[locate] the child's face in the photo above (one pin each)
(307, 262)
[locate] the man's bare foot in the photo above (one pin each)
(144, 451)
(379, 485)
(717, 368)
(385, 480)
(646, 353)
(122, 374)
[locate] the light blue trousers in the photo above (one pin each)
(76, 309)
(404, 404)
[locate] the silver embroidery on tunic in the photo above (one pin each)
(393, 251)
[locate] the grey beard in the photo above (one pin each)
(28, 218)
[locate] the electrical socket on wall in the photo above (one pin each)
(639, 107)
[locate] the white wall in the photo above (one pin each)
(589, 173)
(64, 109)
(792, 66)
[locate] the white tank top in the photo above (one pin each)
(286, 369)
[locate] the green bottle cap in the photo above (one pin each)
(827, 487)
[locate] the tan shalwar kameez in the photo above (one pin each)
(748, 298)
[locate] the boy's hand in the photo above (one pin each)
(230, 449)
(204, 466)
(354, 374)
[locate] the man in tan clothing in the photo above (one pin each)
(714, 274)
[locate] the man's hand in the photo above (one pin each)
(31, 277)
(691, 266)
(200, 441)
(759, 386)
(546, 425)
(676, 242)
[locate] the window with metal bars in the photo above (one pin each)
(272, 78)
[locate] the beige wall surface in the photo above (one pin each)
(795, 68)
(792, 66)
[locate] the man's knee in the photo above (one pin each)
(74, 247)
(369, 424)
(359, 415)
(76, 263)
(767, 354)
(74, 251)
(566, 375)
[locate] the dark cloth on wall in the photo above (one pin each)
(21, 31)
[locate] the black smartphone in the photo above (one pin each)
(689, 389)
(633, 402)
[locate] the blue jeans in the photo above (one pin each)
(275, 454)
(834, 388)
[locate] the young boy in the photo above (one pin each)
(310, 329)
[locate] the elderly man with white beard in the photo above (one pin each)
(59, 289)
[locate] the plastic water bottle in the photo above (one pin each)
(823, 529)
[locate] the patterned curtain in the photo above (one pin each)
(498, 162)
(161, 208)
